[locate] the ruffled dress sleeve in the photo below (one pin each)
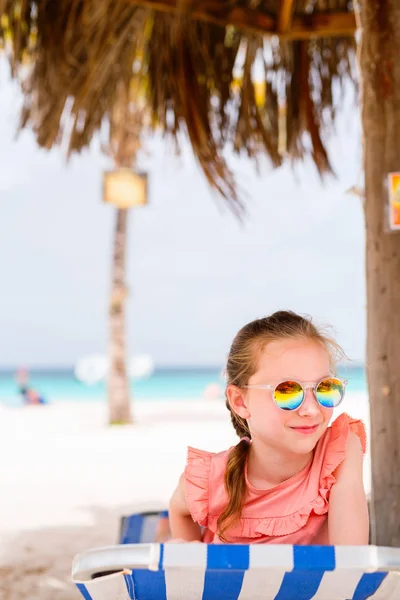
(336, 449)
(197, 484)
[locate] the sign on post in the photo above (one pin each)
(125, 188)
(394, 201)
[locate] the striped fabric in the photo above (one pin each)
(233, 572)
(255, 572)
(141, 528)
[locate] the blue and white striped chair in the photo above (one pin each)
(152, 571)
(142, 528)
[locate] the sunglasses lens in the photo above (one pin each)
(330, 392)
(288, 395)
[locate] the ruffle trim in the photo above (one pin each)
(337, 447)
(197, 475)
(197, 478)
(272, 526)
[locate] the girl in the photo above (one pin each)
(291, 479)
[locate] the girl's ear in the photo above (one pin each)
(237, 401)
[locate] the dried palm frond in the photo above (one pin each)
(202, 67)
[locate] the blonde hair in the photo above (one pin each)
(242, 362)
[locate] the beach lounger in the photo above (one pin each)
(144, 527)
(151, 571)
(230, 572)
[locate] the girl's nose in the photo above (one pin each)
(310, 406)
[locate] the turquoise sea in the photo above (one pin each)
(163, 384)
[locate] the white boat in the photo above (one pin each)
(93, 369)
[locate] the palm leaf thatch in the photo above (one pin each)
(243, 74)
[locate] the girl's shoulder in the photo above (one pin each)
(202, 461)
(334, 445)
(344, 424)
(204, 473)
(330, 453)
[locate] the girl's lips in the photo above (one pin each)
(306, 430)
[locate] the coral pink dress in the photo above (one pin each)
(293, 512)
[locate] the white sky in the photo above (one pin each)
(195, 274)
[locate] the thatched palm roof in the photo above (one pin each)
(185, 64)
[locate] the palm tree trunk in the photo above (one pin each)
(118, 384)
(379, 64)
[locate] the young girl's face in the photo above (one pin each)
(296, 431)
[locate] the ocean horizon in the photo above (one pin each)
(165, 383)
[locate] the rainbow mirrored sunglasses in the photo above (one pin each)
(289, 395)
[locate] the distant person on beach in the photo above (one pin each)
(29, 395)
(291, 478)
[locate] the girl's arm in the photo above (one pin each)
(348, 520)
(181, 523)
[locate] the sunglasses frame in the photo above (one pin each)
(305, 385)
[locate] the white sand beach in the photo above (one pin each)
(66, 478)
